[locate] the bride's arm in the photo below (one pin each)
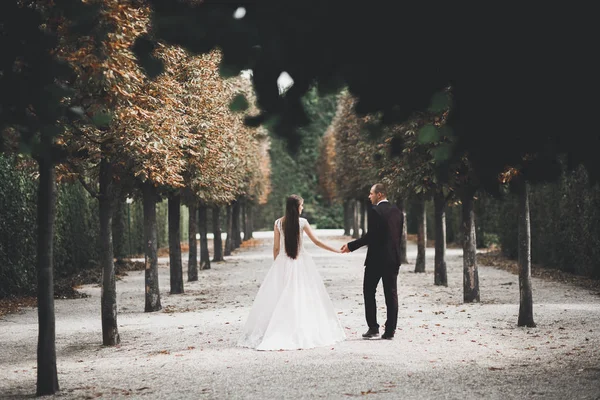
(316, 241)
(276, 242)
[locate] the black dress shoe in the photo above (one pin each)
(371, 333)
(387, 336)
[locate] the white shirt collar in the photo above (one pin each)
(383, 201)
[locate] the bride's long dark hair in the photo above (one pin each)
(291, 225)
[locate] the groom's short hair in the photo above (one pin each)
(380, 188)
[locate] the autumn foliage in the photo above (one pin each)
(176, 130)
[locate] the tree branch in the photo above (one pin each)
(91, 191)
(86, 186)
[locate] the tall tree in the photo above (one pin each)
(108, 298)
(175, 264)
(34, 100)
(229, 229)
(525, 293)
(203, 224)
(421, 234)
(152, 299)
(236, 238)
(400, 203)
(470, 270)
(440, 269)
(47, 379)
(193, 243)
(217, 241)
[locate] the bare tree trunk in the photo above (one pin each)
(108, 297)
(347, 217)
(151, 250)
(355, 221)
(248, 222)
(193, 249)
(440, 270)
(47, 377)
(203, 225)
(243, 223)
(363, 219)
(217, 242)
(229, 227)
(237, 238)
(525, 292)
(400, 203)
(421, 235)
(118, 229)
(175, 264)
(470, 273)
(251, 220)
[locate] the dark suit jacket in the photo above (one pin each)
(383, 236)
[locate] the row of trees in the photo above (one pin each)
(413, 159)
(101, 121)
(295, 172)
(487, 113)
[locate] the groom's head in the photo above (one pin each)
(377, 193)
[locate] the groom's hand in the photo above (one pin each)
(345, 249)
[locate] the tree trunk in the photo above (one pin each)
(363, 218)
(47, 378)
(108, 296)
(203, 227)
(400, 203)
(355, 220)
(525, 292)
(193, 249)
(229, 228)
(470, 273)
(480, 228)
(243, 224)
(248, 224)
(421, 235)
(237, 238)
(217, 241)
(175, 263)
(347, 217)
(151, 248)
(440, 270)
(119, 228)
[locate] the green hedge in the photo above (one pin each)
(17, 230)
(76, 230)
(133, 223)
(565, 224)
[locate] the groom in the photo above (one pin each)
(383, 260)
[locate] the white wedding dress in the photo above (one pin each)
(292, 309)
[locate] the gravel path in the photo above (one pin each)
(443, 349)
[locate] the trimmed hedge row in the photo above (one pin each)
(76, 229)
(565, 225)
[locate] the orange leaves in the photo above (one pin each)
(352, 149)
(508, 174)
(176, 130)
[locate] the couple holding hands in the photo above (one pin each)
(292, 309)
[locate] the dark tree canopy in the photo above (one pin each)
(523, 79)
(34, 84)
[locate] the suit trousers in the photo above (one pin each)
(390, 290)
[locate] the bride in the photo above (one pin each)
(292, 309)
